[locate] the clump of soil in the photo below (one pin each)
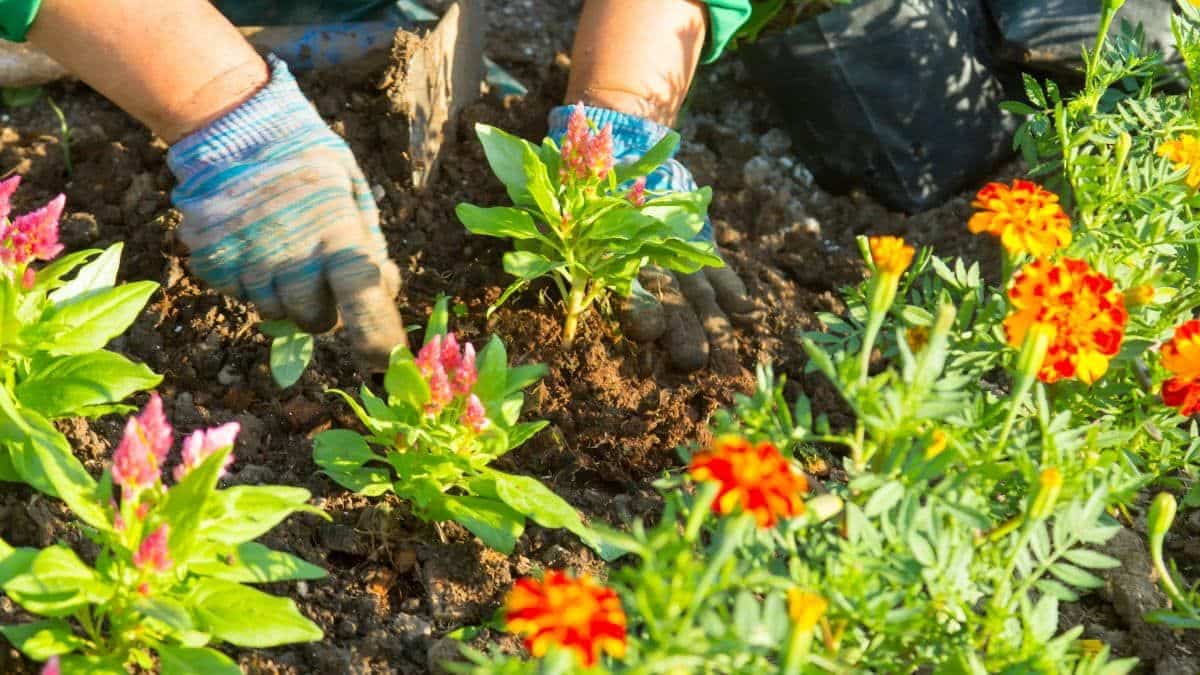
(617, 411)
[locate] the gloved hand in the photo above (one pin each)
(277, 212)
(690, 312)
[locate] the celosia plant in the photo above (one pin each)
(170, 578)
(448, 414)
(586, 223)
(56, 316)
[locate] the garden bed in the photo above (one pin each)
(616, 410)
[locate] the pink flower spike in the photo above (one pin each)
(440, 392)
(429, 355)
(200, 444)
(153, 553)
(637, 193)
(52, 666)
(475, 416)
(451, 357)
(38, 232)
(28, 278)
(600, 152)
(467, 375)
(8, 186)
(135, 467)
(158, 431)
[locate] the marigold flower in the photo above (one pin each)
(52, 666)
(637, 193)
(938, 441)
(579, 615)
(474, 415)
(1079, 307)
(916, 337)
(806, 608)
(891, 255)
(1181, 356)
(756, 479)
(1140, 295)
(202, 443)
(142, 449)
(1026, 217)
(1184, 153)
(153, 553)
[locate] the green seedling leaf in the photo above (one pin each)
(291, 351)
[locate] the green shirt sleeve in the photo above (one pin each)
(725, 19)
(16, 16)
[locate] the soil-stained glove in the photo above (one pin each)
(689, 312)
(277, 212)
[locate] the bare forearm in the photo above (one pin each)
(175, 66)
(637, 56)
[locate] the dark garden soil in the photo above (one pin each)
(617, 410)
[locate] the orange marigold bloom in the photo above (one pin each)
(1184, 153)
(1026, 217)
(579, 615)
(1081, 309)
(890, 254)
(1181, 356)
(755, 478)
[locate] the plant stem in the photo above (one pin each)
(732, 532)
(576, 305)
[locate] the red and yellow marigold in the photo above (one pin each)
(576, 614)
(753, 478)
(1024, 216)
(1184, 153)
(1081, 310)
(1181, 356)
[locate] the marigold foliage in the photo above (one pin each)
(1081, 309)
(576, 614)
(1181, 356)
(1024, 216)
(754, 478)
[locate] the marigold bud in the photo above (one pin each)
(805, 608)
(1049, 485)
(1161, 514)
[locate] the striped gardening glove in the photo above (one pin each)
(277, 212)
(689, 312)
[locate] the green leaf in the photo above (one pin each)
(45, 461)
(506, 155)
(167, 611)
(343, 455)
(661, 152)
(439, 319)
(97, 275)
(404, 383)
(1092, 559)
(494, 522)
(57, 584)
(533, 499)
(71, 384)
(291, 351)
(1075, 576)
(253, 563)
(492, 383)
(541, 189)
(500, 221)
(194, 661)
(520, 377)
(87, 322)
(247, 617)
(76, 664)
(246, 512)
(50, 275)
(523, 432)
(185, 503)
(42, 639)
(15, 561)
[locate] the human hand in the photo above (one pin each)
(277, 212)
(690, 313)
